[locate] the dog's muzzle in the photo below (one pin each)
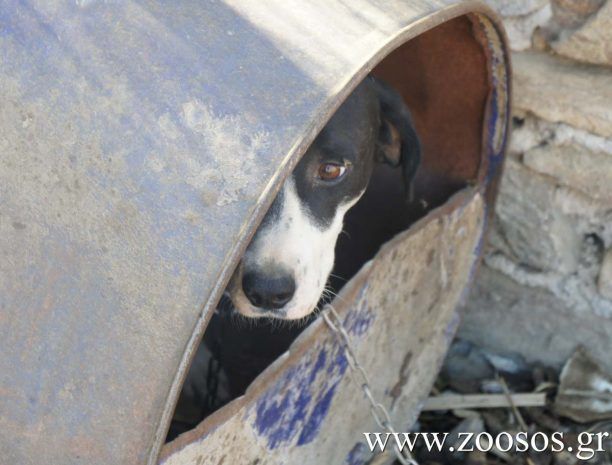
(269, 290)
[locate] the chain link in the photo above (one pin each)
(211, 399)
(377, 409)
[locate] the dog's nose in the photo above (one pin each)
(268, 291)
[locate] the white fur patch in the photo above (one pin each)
(297, 243)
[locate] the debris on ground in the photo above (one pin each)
(501, 396)
(480, 401)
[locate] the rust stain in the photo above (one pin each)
(396, 391)
(430, 257)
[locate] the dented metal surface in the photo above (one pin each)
(400, 311)
(141, 143)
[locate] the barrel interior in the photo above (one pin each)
(443, 75)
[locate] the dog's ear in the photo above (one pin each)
(398, 143)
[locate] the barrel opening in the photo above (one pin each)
(443, 76)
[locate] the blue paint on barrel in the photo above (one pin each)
(295, 407)
(358, 455)
(319, 412)
(357, 322)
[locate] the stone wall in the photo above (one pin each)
(546, 282)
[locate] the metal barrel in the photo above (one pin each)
(141, 142)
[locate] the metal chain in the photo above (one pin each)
(213, 373)
(212, 382)
(377, 409)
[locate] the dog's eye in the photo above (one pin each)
(331, 171)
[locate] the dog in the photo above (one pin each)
(288, 262)
(284, 270)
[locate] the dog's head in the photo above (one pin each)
(286, 266)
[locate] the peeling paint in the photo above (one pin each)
(359, 320)
(299, 402)
(226, 175)
(358, 455)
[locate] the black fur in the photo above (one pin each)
(395, 112)
(358, 134)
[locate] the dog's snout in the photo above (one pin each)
(270, 291)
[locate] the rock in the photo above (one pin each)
(521, 19)
(591, 257)
(540, 39)
(506, 316)
(520, 28)
(512, 368)
(561, 91)
(470, 369)
(604, 282)
(465, 367)
(590, 216)
(573, 13)
(535, 231)
(529, 131)
(592, 42)
(578, 289)
(574, 166)
(565, 134)
(510, 363)
(516, 8)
